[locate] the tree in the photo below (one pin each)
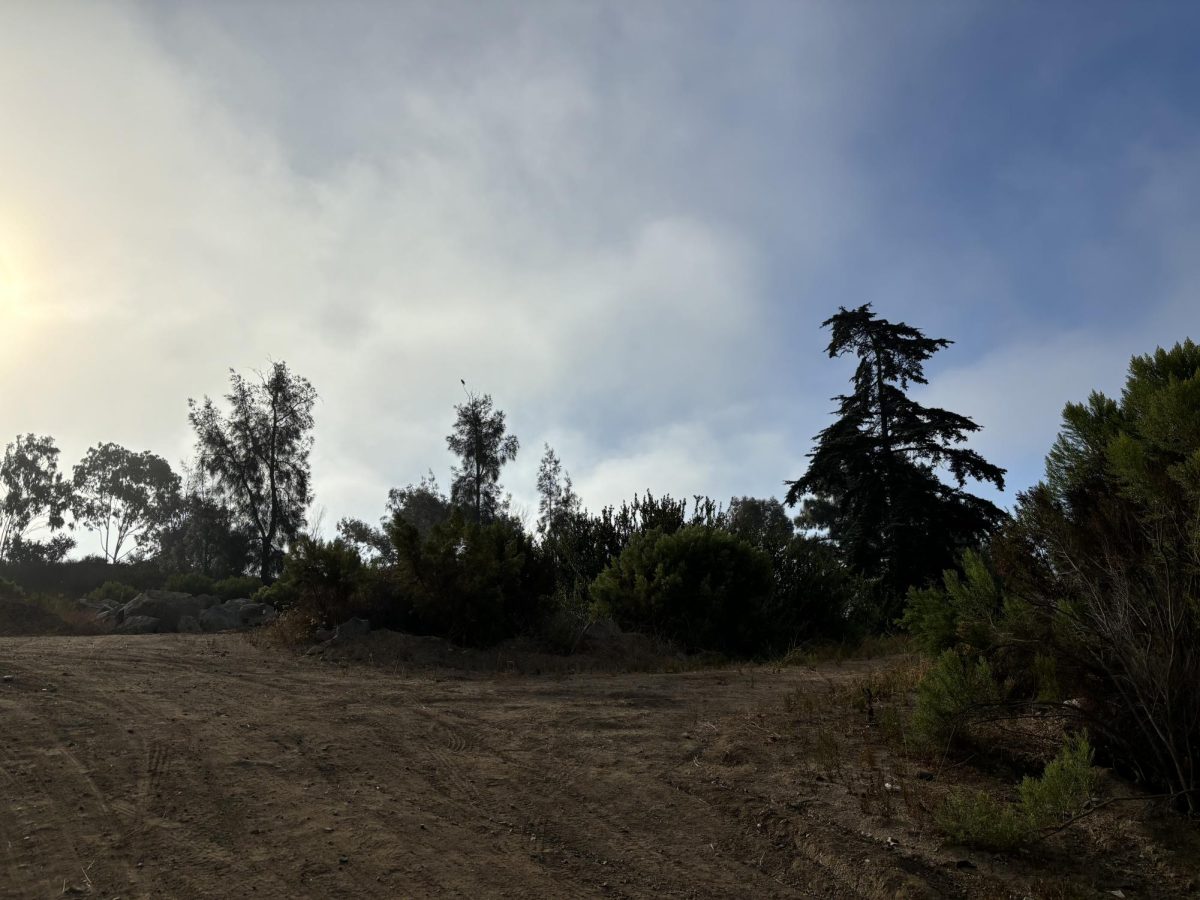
(204, 535)
(258, 454)
(557, 495)
(480, 442)
(125, 496)
(873, 482)
(1106, 552)
(33, 497)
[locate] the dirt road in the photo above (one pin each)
(192, 766)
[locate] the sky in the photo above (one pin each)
(624, 221)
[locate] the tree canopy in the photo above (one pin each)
(483, 446)
(258, 453)
(125, 496)
(873, 484)
(34, 497)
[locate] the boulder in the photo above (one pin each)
(188, 624)
(96, 606)
(240, 613)
(220, 618)
(166, 606)
(110, 617)
(139, 625)
(352, 628)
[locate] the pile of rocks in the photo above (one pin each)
(153, 612)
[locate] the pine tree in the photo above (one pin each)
(873, 483)
(556, 493)
(483, 447)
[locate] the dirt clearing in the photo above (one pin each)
(193, 766)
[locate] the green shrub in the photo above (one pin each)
(189, 583)
(954, 690)
(237, 586)
(699, 586)
(321, 579)
(976, 819)
(1064, 789)
(963, 611)
(472, 584)
(10, 590)
(115, 591)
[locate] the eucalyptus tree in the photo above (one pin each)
(34, 497)
(124, 496)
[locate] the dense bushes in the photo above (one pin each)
(700, 586)
(1099, 601)
(475, 584)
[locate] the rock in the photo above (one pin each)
(188, 624)
(352, 628)
(220, 618)
(321, 635)
(6, 678)
(96, 606)
(240, 613)
(111, 617)
(166, 606)
(139, 625)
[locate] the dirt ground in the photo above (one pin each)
(199, 766)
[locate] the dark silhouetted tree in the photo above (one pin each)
(482, 446)
(873, 483)
(258, 454)
(34, 497)
(556, 494)
(127, 497)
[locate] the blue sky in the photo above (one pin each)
(625, 221)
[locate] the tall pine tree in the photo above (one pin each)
(873, 484)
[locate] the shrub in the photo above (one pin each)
(321, 579)
(1105, 555)
(115, 591)
(976, 819)
(189, 583)
(237, 586)
(473, 584)
(10, 590)
(1063, 790)
(699, 586)
(956, 689)
(963, 611)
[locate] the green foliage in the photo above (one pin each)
(963, 612)
(473, 584)
(976, 819)
(1064, 788)
(954, 691)
(700, 586)
(116, 591)
(10, 590)
(190, 583)
(125, 496)
(205, 534)
(237, 586)
(321, 578)
(1104, 558)
(873, 485)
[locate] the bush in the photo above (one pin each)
(961, 612)
(976, 819)
(115, 591)
(951, 694)
(237, 586)
(1064, 789)
(1104, 556)
(699, 586)
(321, 579)
(472, 584)
(189, 583)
